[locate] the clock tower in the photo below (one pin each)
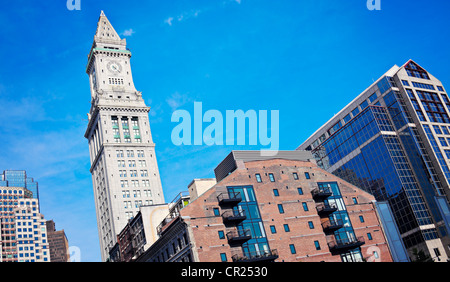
(124, 169)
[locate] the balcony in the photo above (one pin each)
(325, 209)
(261, 256)
(227, 199)
(234, 216)
(239, 236)
(345, 244)
(332, 225)
(321, 193)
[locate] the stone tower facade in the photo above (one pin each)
(124, 169)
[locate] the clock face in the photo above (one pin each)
(114, 67)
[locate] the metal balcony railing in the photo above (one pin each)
(325, 209)
(229, 199)
(258, 256)
(234, 216)
(332, 225)
(345, 244)
(321, 193)
(239, 236)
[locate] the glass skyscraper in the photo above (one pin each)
(393, 141)
(18, 178)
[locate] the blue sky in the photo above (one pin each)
(305, 58)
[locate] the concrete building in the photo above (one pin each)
(393, 141)
(124, 169)
(58, 243)
(281, 208)
(139, 233)
(23, 231)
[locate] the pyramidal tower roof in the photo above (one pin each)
(106, 33)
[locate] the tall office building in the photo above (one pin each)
(123, 163)
(393, 141)
(23, 233)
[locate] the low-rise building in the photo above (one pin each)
(282, 208)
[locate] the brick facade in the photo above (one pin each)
(300, 214)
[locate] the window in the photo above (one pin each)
(317, 245)
(307, 175)
(375, 254)
(405, 83)
(295, 175)
(280, 208)
(292, 248)
(216, 211)
(369, 236)
(440, 88)
(221, 234)
(373, 97)
(272, 179)
(305, 206)
(273, 229)
(361, 218)
(355, 201)
(311, 225)
(223, 257)
(364, 105)
(258, 177)
(300, 190)
(443, 142)
(286, 228)
(275, 192)
(437, 252)
(437, 129)
(447, 153)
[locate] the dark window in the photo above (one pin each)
(280, 208)
(369, 236)
(221, 235)
(216, 211)
(307, 175)
(311, 225)
(361, 218)
(223, 257)
(292, 247)
(275, 192)
(305, 206)
(316, 243)
(272, 179)
(273, 229)
(300, 191)
(286, 227)
(355, 201)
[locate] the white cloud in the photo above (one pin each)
(176, 100)
(183, 16)
(169, 21)
(128, 32)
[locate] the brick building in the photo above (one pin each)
(58, 243)
(282, 208)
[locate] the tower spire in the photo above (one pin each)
(105, 31)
